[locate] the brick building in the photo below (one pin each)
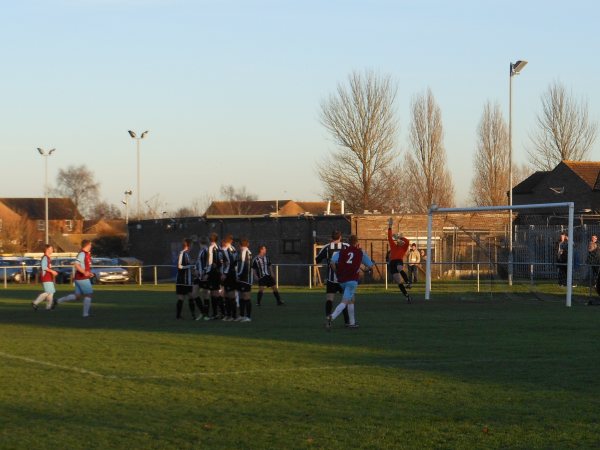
(23, 224)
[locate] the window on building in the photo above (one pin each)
(68, 225)
(291, 246)
(41, 225)
(0, 224)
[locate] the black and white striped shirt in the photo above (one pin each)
(262, 266)
(184, 269)
(326, 254)
(214, 260)
(244, 266)
(229, 259)
(202, 262)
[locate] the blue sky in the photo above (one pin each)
(230, 90)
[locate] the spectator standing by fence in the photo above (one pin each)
(414, 259)
(561, 258)
(593, 258)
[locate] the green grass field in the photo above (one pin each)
(449, 373)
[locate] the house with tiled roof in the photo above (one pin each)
(569, 181)
(23, 223)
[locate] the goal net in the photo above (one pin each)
(512, 253)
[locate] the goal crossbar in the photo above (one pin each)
(435, 210)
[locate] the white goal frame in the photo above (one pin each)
(435, 210)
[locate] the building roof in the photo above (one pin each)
(244, 208)
(588, 171)
(526, 186)
(35, 208)
(105, 227)
(267, 207)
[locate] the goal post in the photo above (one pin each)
(436, 210)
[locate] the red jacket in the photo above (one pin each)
(397, 250)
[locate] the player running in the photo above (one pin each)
(333, 287)
(47, 280)
(346, 264)
(263, 270)
(398, 248)
(244, 278)
(183, 283)
(83, 278)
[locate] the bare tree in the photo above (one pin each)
(78, 184)
(431, 182)
(491, 164)
(239, 198)
(361, 119)
(565, 130)
(104, 210)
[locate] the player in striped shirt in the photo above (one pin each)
(200, 291)
(214, 272)
(244, 279)
(47, 278)
(263, 271)
(83, 278)
(346, 263)
(333, 287)
(229, 278)
(183, 283)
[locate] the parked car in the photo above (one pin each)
(106, 270)
(64, 267)
(131, 264)
(9, 269)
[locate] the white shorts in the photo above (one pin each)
(349, 288)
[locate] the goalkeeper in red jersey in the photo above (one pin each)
(398, 248)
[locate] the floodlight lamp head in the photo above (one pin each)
(40, 151)
(128, 192)
(51, 151)
(144, 134)
(515, 68)
(124, 202)
(132, 134)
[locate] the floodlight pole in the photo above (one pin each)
(46, 154)
(514, 69)
(138, 196)
(428, 262)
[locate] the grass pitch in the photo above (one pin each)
(449, 373)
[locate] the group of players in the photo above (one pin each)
(220, 281)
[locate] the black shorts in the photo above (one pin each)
(333, 288)
(213, 281)
(266, 281)
(396, 265)
(230, 283)
(244, 287)
(202, 284)
(182, 289)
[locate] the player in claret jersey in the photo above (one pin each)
(346, 263)
(47, 280)
(398, 248)
(83, 276)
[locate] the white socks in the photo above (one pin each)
(351, 313)
(40, 298)
(338, 310)
(87, 302)
(68, 298)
